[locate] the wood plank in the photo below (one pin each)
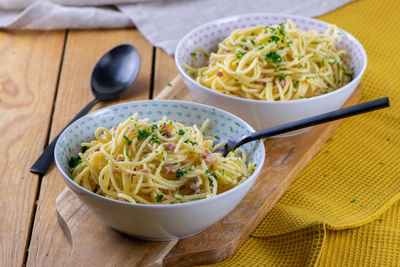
(164, 71)
(28, 79)
(83, 49)
(285, 159)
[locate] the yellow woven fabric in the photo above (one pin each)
(343, 209)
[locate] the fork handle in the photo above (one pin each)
(318, 119)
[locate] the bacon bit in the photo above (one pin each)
(168, 169)
(245, 48)
(114, 171)
(145, 170)
(209, 158)
(199, 181)
(220, 74)
(282, 83)
(170, 146)
(196, 186)
(97, 150)
(168, 133)
(164, 126)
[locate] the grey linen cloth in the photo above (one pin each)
(162, 22)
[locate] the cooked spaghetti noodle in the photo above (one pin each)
(161, 162)
(275, 63)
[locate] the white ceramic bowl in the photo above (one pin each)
(158, 222)
(266, 114)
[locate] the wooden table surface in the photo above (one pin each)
(44, 82)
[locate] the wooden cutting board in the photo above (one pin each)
(95, 244)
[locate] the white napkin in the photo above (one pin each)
(162, 22)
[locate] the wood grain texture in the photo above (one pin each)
(29, 71)
(164, 71)
(49, 247)
(285, 159)
(121, 250)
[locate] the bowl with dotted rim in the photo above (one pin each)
(262, 114)
(158, 222)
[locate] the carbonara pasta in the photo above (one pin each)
(275, 63)
(161, 162)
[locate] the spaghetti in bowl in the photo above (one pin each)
(164, 217)
(271, 69)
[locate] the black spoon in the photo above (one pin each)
(113, 74)
(232, 144)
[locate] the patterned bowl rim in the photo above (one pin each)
(351, 38)
(160, 206)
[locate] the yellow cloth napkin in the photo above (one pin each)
(344, 209)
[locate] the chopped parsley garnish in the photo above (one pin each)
(193, 54)
(274, 57)
(127, 154)
(143, 134)
(236, 80)
(296, 84)
(207, 171)
(290, 42)
(244, 40)
(275, 38)
(159, 197)
(84, 148)
(73, 162)
(154, 127)
(261, 47)
(252, 41)
(349, 75)
(282, 76)
(216, 137)
(129, 142)
(214, 175)
(240, 54)
(210, 182)
(193, 143)
(186, 141)
(179, 173)
(154, 139)
(181, 132)
(170, 85)
(353, 200)
(194, 181)
(252, 34)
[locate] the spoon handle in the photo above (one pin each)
(43, 163)
(318, 119)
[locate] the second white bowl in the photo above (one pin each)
(266, 114)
